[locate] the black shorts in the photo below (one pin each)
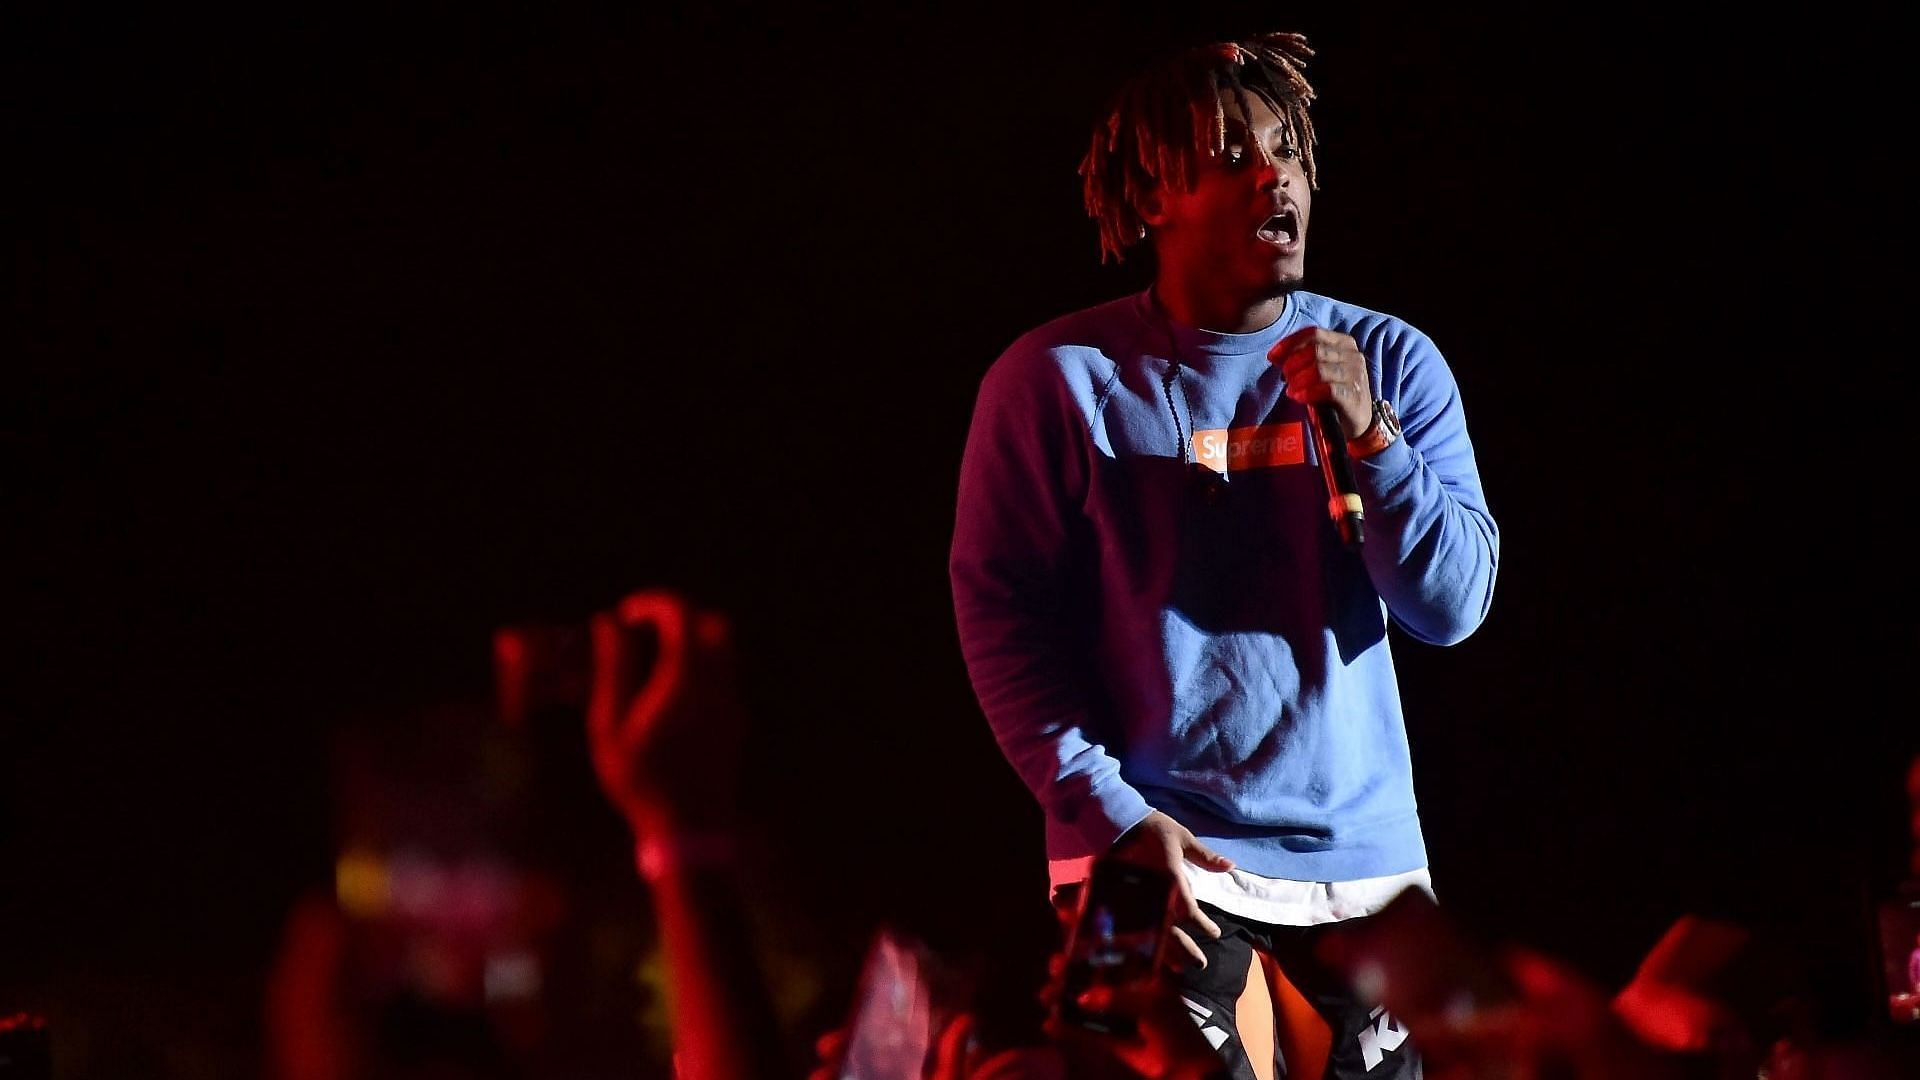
(1368, 1043)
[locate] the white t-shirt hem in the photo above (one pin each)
(1276, 901)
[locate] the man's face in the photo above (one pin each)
(1243, 226)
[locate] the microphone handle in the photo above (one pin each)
(1343, 498)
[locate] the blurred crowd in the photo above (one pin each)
(472, 930)
(655, 680)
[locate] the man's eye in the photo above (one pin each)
(1285, 153)
(1236, 154)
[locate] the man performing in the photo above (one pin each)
(1178, 648)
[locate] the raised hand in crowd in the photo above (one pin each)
(665, 737)
(665, 725)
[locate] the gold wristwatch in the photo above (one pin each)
(1380, 434)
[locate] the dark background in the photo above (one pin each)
(336, 339)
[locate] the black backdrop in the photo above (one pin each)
(335, 340)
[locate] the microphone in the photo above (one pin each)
(1343, 498)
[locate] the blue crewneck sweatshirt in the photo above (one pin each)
(1156, 611)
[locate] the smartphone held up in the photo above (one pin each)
(1117, 940)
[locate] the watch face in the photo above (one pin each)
(1382, 433)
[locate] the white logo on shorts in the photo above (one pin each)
(1380, 1037)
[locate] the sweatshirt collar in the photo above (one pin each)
(1198, 345)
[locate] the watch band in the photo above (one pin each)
(1380, 434)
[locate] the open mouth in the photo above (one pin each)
(1282, 228)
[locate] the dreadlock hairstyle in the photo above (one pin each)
(1161, 119)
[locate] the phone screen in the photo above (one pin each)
(891, 1028)
(1119, 933)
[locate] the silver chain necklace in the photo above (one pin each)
(1167, 383)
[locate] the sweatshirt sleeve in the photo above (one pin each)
(1023, 483)
(1432, 545)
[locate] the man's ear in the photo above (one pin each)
(1151, 208)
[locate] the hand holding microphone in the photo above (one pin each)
(1326, 371)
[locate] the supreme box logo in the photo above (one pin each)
(1226, 450)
